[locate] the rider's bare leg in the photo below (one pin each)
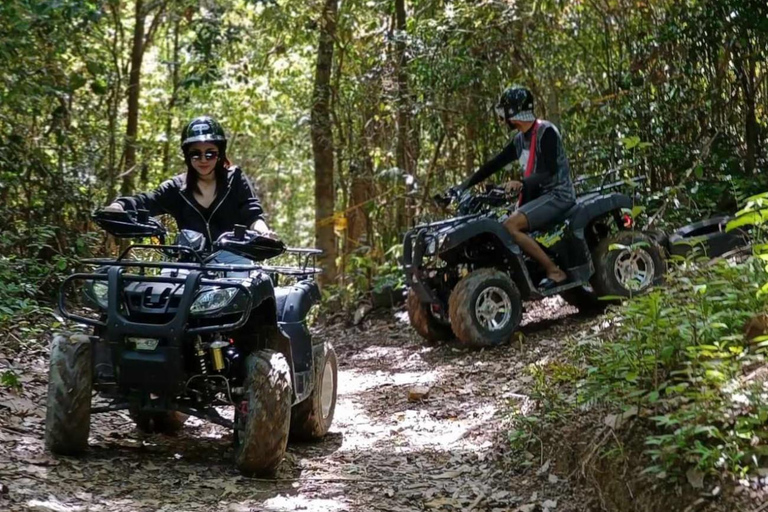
(517, 225)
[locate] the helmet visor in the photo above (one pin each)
(205, 137)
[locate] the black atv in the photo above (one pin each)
(468, 278)
(188, 332)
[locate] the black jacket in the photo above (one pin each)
(551, 173)
(235, 203)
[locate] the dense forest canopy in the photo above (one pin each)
(93, 95)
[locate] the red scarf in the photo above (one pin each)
(531, 158)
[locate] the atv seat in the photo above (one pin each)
(294, 302)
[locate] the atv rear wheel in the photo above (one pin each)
(70, 380)
(485, 308)
(311, 419)
(263, 418)
(168, 423)
(627, 264)
(424, 322)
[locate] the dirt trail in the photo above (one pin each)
(447, 452)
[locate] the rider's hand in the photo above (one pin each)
(260, 227)
(513, 187)
(114, 207)
(268, 234)
(454, 192)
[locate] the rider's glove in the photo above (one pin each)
(454, 192)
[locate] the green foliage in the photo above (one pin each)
(635, 84)
(32, 264)
(678, 355)
(10, 379)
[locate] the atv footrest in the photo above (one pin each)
(577, 276)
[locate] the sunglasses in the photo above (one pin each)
(208, 155)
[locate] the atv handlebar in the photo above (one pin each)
(468, 203)
(129, 223)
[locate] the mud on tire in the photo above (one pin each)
(494, 296)
(70, 380)
(311, 418)
(262, 419)
(628, 270)
(424, 323)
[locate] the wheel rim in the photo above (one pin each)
(328, 385)
(493, 308)
(634, 269)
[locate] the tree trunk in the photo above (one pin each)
(751, 130)
(137, 56)
(403, 151)
(174, 93)
(141, 40)
(322, 143)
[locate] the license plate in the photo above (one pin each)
(144, 343)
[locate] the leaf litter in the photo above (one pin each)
(446, 451)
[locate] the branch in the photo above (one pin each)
(155, 22)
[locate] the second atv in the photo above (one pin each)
(468, 277)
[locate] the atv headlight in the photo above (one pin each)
(213, 299)
(434, 244)
(100, 292)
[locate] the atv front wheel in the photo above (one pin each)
(311, 419)
(485, 308)
(168, 423)
(263, 417)
(627, 264)
(424, 321)
(70, 380)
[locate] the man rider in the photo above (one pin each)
(546, 190)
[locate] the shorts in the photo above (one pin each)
(544, 211)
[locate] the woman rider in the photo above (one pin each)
(212, 196)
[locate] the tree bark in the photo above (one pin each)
(322, 143)
(174, 94)
(403, 151)
(134, 84)
(747, 74)
(141, 40)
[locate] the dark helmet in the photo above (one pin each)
(516, 104)
(203, 129)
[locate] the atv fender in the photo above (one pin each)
(293, 304)
(464, 232)
(484, 229)
(592, 206)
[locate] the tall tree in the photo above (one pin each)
(141, 40)
(322, 141)
(404, 150)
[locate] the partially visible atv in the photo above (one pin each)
(199, 329)
(468, 278)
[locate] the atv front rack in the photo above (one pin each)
(204, 264)
(177, 327)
